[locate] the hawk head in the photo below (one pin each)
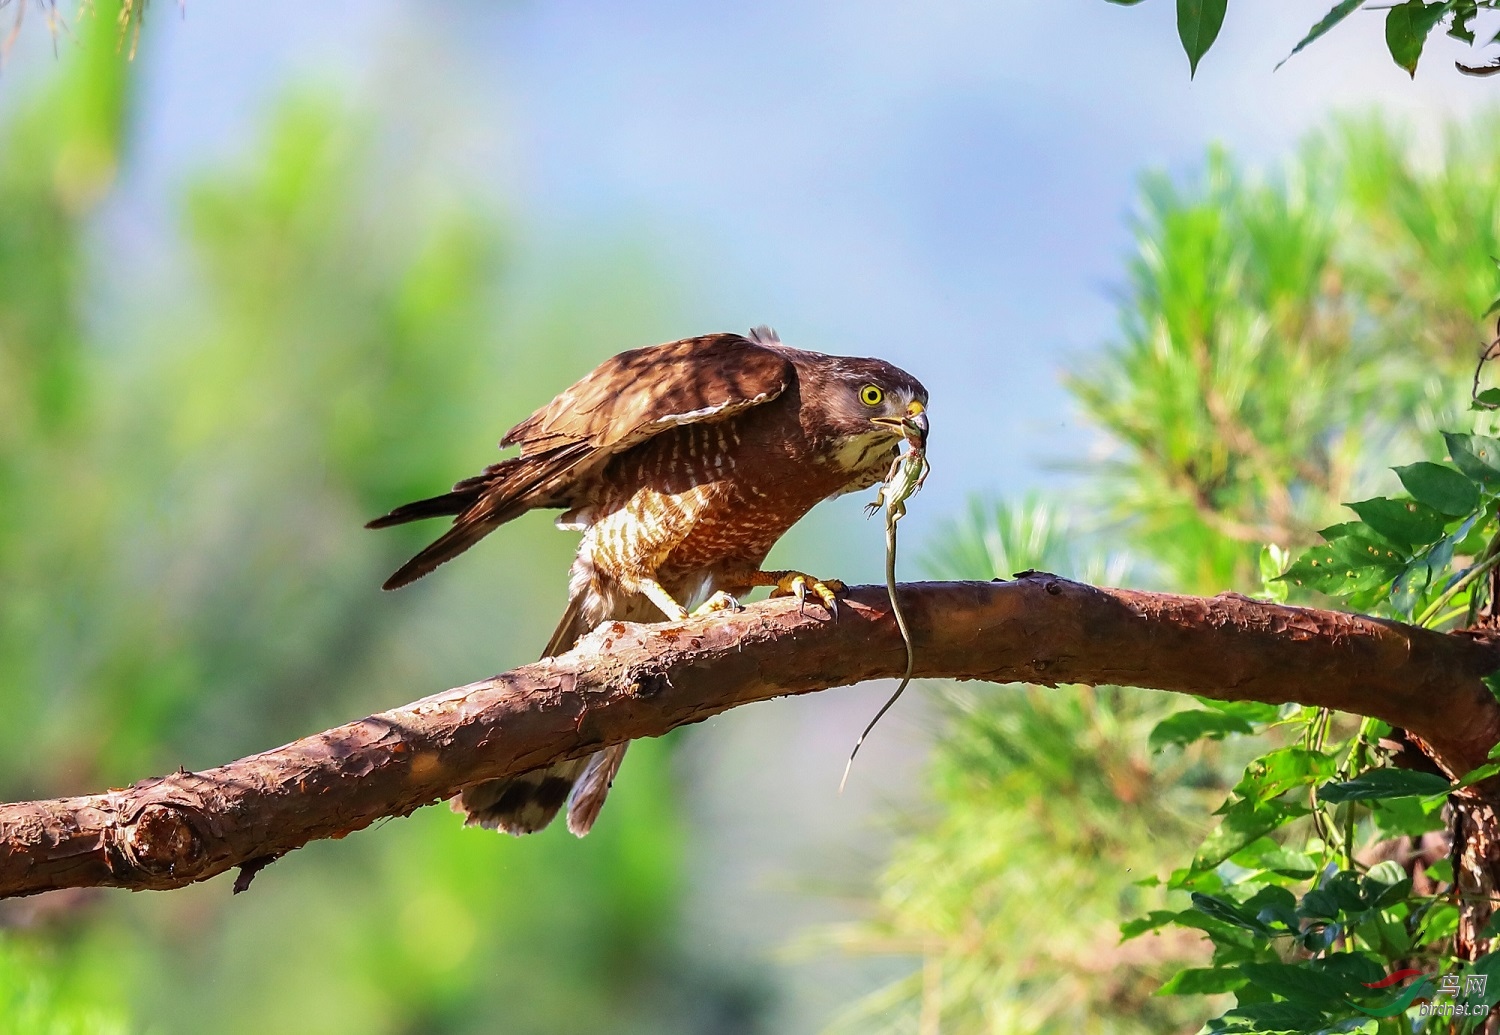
(857, 398)
(861, 408)
(870, 397)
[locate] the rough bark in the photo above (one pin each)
(1474, 825)
(628, 681)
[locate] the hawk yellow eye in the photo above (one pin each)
(871, 395)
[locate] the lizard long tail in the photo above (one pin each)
(890, 588)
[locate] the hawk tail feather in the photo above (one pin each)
(593, 787)
(481, 504)
(570, 628)
(467, 530)
(520, 804)
(526, 803)
(449, 504)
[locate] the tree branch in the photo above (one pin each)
(627, 681)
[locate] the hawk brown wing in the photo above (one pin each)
(623, 402)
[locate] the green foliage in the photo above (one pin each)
(1049, 815)
(1282, 341)
(1340, 11)
(40, 996)
(1198, 24)
(1280, 335)
(1299, 945)
(1400, 555)
(1407, 28)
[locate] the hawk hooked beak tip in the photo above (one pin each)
(913, 426)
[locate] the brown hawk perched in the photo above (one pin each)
(682, 464)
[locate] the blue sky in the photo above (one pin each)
(945, 185)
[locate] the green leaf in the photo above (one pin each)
(1477, 456)
(1350, 966)
(1407, 817)
(1340, 11)
(1489, 398)
(1273, 905)
(1429, 567)
(1404, 522)
(1351, 564)
(1319, 903)
(1343, 528)
(1273, 559)
(1385, 884)
(1484, 772)
(1152, 921)
(1266, 855)
(1279, 771)
(1345, 888)
(1250, 711)
(1198, 24)
(1492, 684)
(1406, 29)
(1203, 981)
(1409, 586)
(1463, 14)
(1439, 924)
(1231, 912)
(1300, 983)
(1194, 724)
(1278, 1017)
(1441, 488)
(1242, 822)
(1488, 964)
(1378, 784)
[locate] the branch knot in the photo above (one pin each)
(163, 841)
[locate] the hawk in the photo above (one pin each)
(682, 464)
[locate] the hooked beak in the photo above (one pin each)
(913, 426)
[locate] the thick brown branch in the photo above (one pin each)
(629, 681)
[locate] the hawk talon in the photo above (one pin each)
(798, 583)
(720, 601)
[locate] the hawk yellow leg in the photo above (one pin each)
(797, 584)
(658, 595)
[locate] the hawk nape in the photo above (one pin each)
(682, 464)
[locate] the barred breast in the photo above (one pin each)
(702, 499)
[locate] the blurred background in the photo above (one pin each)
(291, 264)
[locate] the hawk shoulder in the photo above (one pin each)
(637, 394)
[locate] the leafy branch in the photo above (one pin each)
(1407, 28)
(1304, 916)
